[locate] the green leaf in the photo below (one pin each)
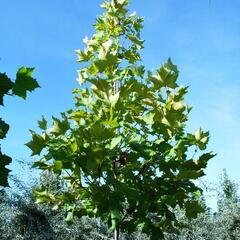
(94, 157)
(204, 158)
(198, 134)
(166, 76)
(113, 99)
(4, 127)
(5, 86)
(106, 61)
(101, 85)
(115, 141)
(122, 2)
(74, 146)
(189, 174)
(82, 56)
(43, 196)
(193, 208)
(148, 118)
(36, 144)
(115, 219)
(82, 76)
(24, 82)
(202, 138)
(57, 166)
(107, 44)
(59, 127)
(170, 66)
(136, 41)
(69, 218)
(178, 106)
(42, 123)
(4, 160)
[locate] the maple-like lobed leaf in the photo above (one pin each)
(42, 123)
(36, 144)
(24, 82)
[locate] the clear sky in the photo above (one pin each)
(202, 37)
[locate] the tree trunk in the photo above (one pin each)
(116, 233)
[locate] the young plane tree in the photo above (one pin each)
(23, 83)
(123, 149)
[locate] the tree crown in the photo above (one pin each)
(123, 149)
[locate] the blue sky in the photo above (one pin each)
(201, 37)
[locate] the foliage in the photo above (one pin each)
(123, 150)
(22, 219)
(224, 224)
(228, 193)
(24, 82)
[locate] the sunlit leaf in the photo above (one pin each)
(36, 144)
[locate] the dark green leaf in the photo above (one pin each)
(42, 123)
(4, 127)
(24, 82)
(193, 208)
(4, 160)
(5, 86)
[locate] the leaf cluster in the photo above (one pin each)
(22, 219)
(24, 82)
(224, 224)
